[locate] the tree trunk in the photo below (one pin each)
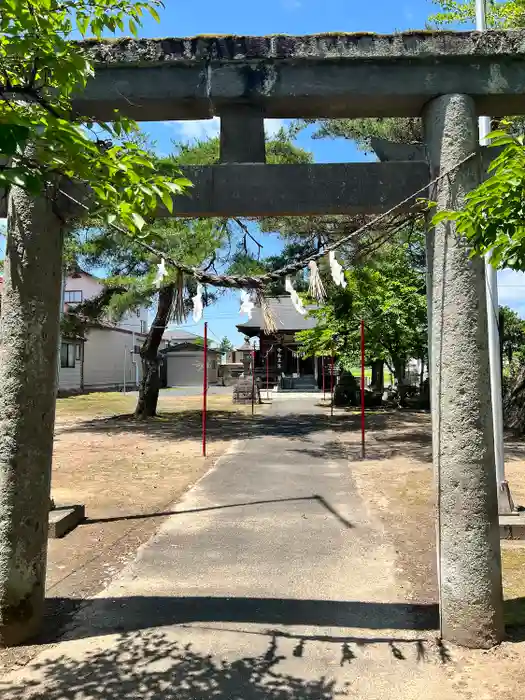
(399, 373)
(28, 379)
(501, 333)
(378, 375)
(399, 369)
(150, 382)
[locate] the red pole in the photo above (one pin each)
(332, 385)
(253, 379)
(362, 388)
(324, 379)
(204, 389)
(267, 394)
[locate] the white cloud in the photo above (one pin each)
(200, 129)
(195, 130)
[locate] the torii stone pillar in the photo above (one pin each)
(28, 378)
(463, 448)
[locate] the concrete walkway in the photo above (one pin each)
(272, 581)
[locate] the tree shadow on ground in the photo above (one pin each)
(221, 425)
(152, 665)
(416, 444)
(149, 662)
(332, 449)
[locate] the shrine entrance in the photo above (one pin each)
(278, 358)
(444, 78)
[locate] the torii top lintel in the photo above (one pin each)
(326, 75)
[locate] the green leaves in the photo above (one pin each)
(168, 201)
(13, 139)
(388, 293)
(138, 220)
(41, 68)
(493, 218)
(508, 14)
(20, 177)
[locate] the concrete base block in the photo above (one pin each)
(505, 502)
(512, 527)
(63, 519)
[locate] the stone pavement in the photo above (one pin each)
(271, 581)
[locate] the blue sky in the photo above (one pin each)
(272, 17)
(288, 17)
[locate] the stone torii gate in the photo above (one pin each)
(446, 78)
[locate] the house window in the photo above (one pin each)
(78, 351)
(143, 327)
(138, 313)
(214, 364)
(73, 297)
(67, 354)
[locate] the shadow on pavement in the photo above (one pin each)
(151, 666)
(144, 516)
(131, 613)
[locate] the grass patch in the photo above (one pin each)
(97, 404)
(114, 403)
(388, 377)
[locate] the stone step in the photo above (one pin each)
(512, 527)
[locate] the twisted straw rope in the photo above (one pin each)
(257, 281)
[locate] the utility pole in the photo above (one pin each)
(505, 504)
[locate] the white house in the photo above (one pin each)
(81, 285)
(71, 363)
(108, 355)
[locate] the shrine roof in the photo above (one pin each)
(285, 314)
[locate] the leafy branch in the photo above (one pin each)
(42, 139)
(493, 218)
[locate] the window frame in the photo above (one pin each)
(70, 300)
(67, 358)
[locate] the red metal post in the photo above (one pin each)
(332, 384)
(362, 388)
(324, 379)
(267, 375)
(253, 379)
(204, 389)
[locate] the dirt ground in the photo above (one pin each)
(128, 474)
(396, 481)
